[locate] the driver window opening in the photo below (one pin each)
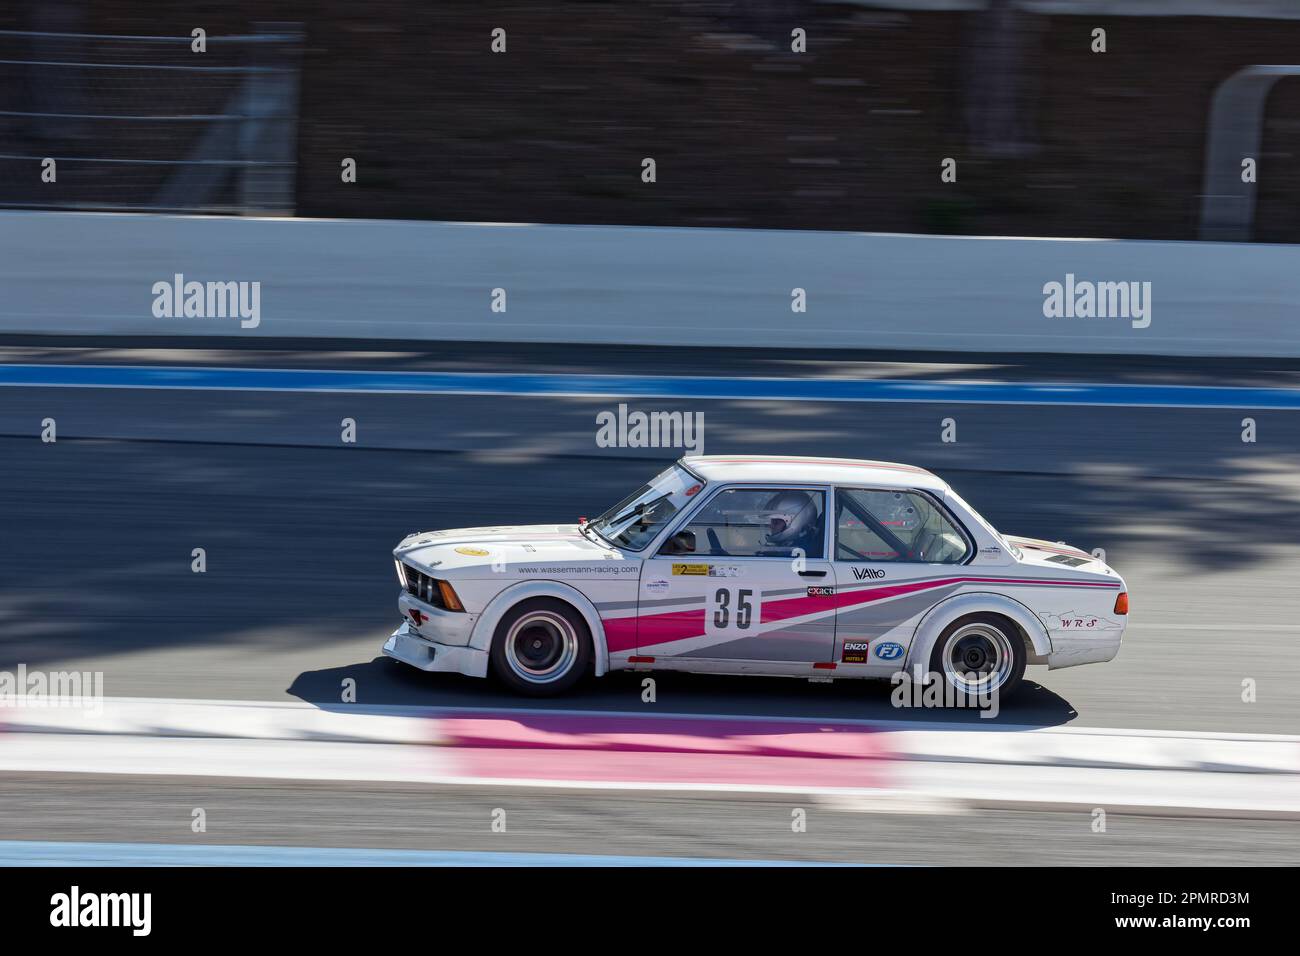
(756, 523)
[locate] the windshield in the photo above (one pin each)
(634, 521)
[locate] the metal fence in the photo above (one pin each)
(142, 123)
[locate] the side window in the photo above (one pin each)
(758, 523)
(883, 525)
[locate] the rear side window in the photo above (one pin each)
(886, 525)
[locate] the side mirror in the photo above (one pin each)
(683, 542)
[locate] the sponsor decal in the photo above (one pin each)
(855, 652)
(821, 591)
(1078, 621)
(867, 574)
(708, 570)
(889, 651)
(573, 570)
(473, 552)
(991, 549)
(692, 491)
(657, 586)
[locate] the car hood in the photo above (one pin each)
(501, 547)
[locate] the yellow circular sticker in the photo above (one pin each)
(473, 552)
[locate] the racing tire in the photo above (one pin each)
(541, 648)
(979, 655)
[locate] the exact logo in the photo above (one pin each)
(889, 651)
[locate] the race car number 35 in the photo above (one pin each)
(732, 611)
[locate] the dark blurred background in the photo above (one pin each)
(1049, 137)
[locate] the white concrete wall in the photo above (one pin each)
(82, 274)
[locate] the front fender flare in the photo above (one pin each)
(486, 626)
(945, 612)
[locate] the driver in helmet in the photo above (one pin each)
(792, 522)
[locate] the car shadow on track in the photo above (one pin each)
(383, 682)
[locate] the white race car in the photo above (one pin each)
(804, 567)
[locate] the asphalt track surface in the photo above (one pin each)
(98, 530)
(159, 810)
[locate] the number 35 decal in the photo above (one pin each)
(733, 609)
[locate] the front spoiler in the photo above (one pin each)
(412, 648)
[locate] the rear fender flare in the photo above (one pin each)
(945, 612)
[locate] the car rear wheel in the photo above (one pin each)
(979, 655)
(542, 647)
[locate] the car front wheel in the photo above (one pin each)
(542, 647)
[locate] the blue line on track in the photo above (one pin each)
(648, 386)
(42, 853)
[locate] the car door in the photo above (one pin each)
(744, 580)
(896, 554)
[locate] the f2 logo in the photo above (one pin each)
(732, 609)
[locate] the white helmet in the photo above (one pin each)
(789, 514)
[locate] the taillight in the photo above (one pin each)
(449, 599)
(1121, 603)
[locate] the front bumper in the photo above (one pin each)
(407, 646)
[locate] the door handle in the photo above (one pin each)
(812, 574)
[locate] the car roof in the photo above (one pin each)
(827, 471)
